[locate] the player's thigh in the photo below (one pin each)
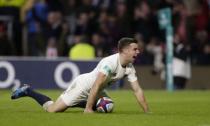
(74, 95)
(58, 106)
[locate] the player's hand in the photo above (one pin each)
(148, 112)
(88, 110)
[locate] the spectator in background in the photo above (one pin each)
(54, 24)
(63, 46)
(36, 20)
(51, 49)
(98, 45)
(55, 5)
(180, 20)
(206, 54)
(107, 29)
(57, 28)
(70, 10)
(156, 49)
(181, 63)
(123, 27)
(6, 48)
(82, 50)
(201, 36)
(104, 31)
(141, 23)
(146, 28)
(82, 25)
(100, 5)
(202, 49)
(197, 25)
(16, 9)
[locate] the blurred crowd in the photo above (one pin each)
(68, 28)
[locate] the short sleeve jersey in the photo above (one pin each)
(112, 67)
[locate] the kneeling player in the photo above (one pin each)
(85, 88)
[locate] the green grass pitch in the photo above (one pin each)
(179, 108)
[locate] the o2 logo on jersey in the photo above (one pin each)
(8, 80)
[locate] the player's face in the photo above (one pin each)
(132, 52)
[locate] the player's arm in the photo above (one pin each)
(98, 84)
(140, 96)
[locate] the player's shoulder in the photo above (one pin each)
(111, 60)
(113, 56)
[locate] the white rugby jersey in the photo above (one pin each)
(111, 67)
(80, 87)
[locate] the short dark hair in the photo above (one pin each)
(124, 42)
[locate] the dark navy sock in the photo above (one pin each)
(82, 104)
(40, 98)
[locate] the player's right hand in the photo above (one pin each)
(88, 110)
(148, 112)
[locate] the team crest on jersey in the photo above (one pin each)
(107, 69)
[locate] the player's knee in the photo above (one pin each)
(50, 110)
(58, 106)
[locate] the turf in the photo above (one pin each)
(179, 108)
